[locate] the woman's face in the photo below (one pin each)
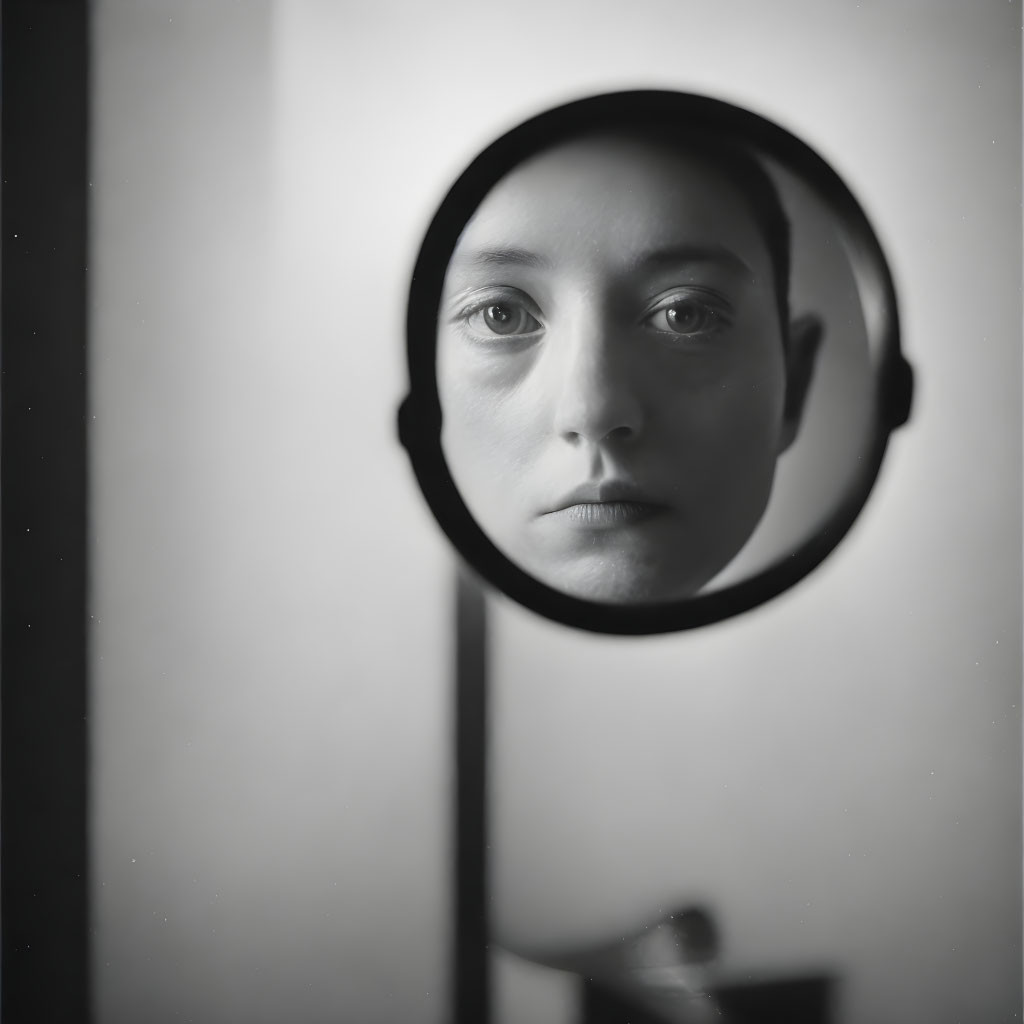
(611, 370)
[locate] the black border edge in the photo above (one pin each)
(43, 736)
(419, 418)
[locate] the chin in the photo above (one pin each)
(612, 582)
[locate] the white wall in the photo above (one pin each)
(270, 728)
(837, 774)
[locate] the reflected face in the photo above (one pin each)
(611, 370)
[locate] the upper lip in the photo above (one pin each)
(595, 492)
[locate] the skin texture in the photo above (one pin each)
(612, 370)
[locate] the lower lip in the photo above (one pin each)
(602, 514)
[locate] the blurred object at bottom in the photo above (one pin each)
(664, 968)
(803, 1000)
(667, 973)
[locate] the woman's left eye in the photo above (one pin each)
(686, 317)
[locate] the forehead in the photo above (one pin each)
(613, 199)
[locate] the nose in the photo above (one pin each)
(596, 397)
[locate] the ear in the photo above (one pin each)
(805, 335)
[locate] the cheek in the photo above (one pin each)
(746, 445)
(745, 455)
(726, 435)
(488, 420)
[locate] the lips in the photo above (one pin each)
(606, 503)
(608, 513)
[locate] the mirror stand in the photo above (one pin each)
(471, 972)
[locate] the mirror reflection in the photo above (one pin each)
(625, 358)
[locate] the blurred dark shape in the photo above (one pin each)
(696, 934)
(803, 1000)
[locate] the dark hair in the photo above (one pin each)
(753, 182)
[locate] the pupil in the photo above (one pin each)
(684, 317)
(504, 319)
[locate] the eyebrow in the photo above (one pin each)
(654, 259)
(501, 256)
(675, 254)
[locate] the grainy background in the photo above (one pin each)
(837, 775)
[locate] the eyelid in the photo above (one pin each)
(689, 292)
(494, 295)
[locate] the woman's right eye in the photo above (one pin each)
(503, 319)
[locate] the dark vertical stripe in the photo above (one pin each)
(43, 739)
(471, 978)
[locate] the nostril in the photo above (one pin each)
(621, 433)
(613, 436)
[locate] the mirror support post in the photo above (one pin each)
(471, 961)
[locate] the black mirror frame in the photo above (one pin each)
(419, 416)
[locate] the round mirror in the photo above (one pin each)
(654, 361)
